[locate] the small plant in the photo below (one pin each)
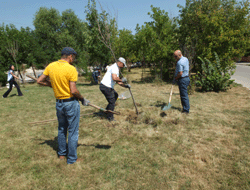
(213, 76)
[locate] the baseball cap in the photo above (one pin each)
(68, 51)
(121, 59)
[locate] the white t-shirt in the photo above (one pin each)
(107, 79)
(9, 77)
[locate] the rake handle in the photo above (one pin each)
(134, 102)
(104, 110)
(131, 95)
(31, 77)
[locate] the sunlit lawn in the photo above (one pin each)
(207, 149)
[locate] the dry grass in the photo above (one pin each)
(208, 149)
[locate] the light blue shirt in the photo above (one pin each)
(9, 77)
(182, 66)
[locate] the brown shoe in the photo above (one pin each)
(62, 157)
(79, 160)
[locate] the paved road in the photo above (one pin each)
(242, 74)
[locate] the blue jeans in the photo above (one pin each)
(183, 84)
(68, 115)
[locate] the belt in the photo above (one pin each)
(184, 77)
(65, 100)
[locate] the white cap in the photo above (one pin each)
(121, 59)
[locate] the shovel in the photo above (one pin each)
(167, 107)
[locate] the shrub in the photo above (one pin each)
(3, 78)
(213, 76)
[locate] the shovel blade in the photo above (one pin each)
(167, 107)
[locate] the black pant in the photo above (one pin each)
(111, 96)
(11, 82)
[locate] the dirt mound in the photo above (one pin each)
(132, 117)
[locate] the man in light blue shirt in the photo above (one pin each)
(182, 78)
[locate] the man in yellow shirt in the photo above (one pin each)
(63, 77)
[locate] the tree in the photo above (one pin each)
(48, 24)
(75, 33)
(102, 31)
(207, 26)
(158, 39)
(125, 46)
(55, 31)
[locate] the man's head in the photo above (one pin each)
(177, 55)
(68, 54)
(121, 62)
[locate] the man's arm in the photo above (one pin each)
(179, 75)
(116, 78)
(42, 81)
(74, 91)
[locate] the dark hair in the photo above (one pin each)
(10, 66)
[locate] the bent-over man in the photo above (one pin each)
(182, 78)
(63, 77)
(107, 85)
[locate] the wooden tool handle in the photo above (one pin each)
(32, 77)
(104, 110)
(170, 94)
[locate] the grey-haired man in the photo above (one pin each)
(107, 85)
(182, 78)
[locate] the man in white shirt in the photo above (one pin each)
(107, 85)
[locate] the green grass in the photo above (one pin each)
(208, 149)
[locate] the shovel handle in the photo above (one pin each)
(170, 94)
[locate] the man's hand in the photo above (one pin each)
(173, 82)
(127, 86)
(124, 80)
(42, 81)
(85, 102)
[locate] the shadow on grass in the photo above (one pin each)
(54, 144)
(10, 96)
(160, 104)
(100, 114)
(99, 146)
(176, 108)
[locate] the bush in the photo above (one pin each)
(213, 76)
(3, 78)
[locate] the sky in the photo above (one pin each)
(128, 12)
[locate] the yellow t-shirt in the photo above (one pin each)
(61, 73)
